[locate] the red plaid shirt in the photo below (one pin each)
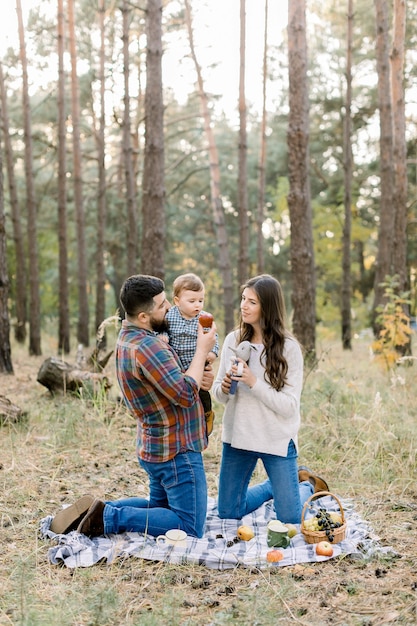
(163, 399)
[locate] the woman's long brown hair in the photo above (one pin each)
(272, 322)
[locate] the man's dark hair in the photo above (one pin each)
(137, 293)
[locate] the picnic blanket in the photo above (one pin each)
(218, 549)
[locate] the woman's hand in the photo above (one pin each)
(241, 372)
(226, 383)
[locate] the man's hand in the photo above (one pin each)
(205, 343)
(208, 378)
(206, 340)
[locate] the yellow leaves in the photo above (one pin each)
(395, 330)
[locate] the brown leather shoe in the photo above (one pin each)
(69, 518)
(92, 524)
(319, 484)
(209, 422)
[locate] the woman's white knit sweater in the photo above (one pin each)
(260, 418)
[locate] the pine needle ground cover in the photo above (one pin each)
(359, 431)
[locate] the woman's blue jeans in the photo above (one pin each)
(177, 499)
(237, 499)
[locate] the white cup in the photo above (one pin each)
(174, 537)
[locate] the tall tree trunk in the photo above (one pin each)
(399, 148)
(262, 155)
(83, 312)
(387, 216)
(101, 195)
(127, 150)
(34, 304)
(360, 259)
(216, 200)
(153, 182)
(140, 112)
(20, 289)
(63, 305)
(243, 263)
(399, 255)
(299, 203)
(348, 165)
(5, 351)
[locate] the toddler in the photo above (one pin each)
(182, 318)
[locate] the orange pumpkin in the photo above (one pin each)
(273, 556)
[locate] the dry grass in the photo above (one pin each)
(359, 431)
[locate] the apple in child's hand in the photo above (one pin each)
(324, 548)
(206, 319)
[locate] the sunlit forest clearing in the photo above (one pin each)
(359, 431)
(119, 154)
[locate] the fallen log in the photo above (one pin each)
(10, 413)
(59, 376)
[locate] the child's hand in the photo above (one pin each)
(211, 357)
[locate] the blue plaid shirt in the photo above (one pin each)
(182, 335)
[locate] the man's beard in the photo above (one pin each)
(159, 327)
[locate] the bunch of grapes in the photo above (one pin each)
(325, 521)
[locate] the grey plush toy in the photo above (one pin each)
(242, 351)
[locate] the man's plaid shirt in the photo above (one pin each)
(163, 399)
(182, 336)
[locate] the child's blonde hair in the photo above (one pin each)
(190, 281)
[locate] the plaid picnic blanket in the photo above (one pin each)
(218, 549)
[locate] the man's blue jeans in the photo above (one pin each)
(177, 499)
(237, 499)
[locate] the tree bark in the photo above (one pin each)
(243, 262)
(387, 216)
(10, 413)
(5, 351)
(35, 309)
(299, 203)
(59, 376)
(20, 288)
(262, 155)
(101, 193)
(399, 254)
(63, 304)
(153, 181)
(216, 200)
(132, 220)
(347, 166)
(83, 311)
(400, 147)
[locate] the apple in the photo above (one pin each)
(292, 530)
(206, 319)
(336, 518)
(273, 556)
(324, 548)
(245, 533)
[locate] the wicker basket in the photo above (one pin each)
(315, 536)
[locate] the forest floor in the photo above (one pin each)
(68, 446)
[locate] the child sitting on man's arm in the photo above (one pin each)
(182, 318)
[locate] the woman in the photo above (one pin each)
(262, 418)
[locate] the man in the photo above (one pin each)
(171, 431)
